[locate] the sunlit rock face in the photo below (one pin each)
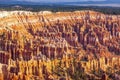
(29, 39)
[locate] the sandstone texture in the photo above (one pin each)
(33, 44)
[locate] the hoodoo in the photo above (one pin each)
(39, 45)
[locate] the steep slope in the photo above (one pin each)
(33, 36)
(92, 31)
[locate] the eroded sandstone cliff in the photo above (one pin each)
(33, 44)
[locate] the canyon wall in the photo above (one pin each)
(31, 43)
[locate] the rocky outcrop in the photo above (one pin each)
(102, 63)
(32, 42)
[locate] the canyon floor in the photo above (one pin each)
(79, 45)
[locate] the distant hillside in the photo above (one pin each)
(65, 3)
(57, 8)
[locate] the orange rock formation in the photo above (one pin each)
(29, 41)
